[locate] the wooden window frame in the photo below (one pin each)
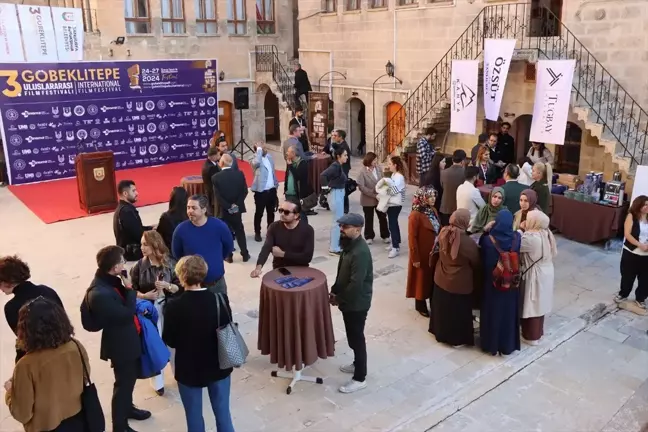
(146, 20)
(237, 22)
(325, 6)
(352, 5)
(265, 23)
(383, 4)
(173, 20)
(204, 21)
(407, 2)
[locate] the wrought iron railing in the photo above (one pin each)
(538, 30)
(267, 60)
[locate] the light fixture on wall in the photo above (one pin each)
(221, 75)
(119, 40)
(354, 93)
(389, 68)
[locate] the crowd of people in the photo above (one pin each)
(481, 271)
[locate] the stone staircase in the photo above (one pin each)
(605, 107)
(277, 75)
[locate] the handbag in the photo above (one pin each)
(90, 405)
(232, 350)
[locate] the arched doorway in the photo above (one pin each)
(225, 120)
(271, 107)
(520, 130)
(357, 126)
(395, 126)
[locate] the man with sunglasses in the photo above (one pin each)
(290, 240)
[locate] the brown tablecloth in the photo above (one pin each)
(316, 165)
(581, 221)
(295, 326)
(193, 185)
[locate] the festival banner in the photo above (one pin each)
(11, 49)
(318, 110)
(463, 103)
(497, 60)
(38, 33)
(147, 113)
(552, 96)
(68, 26)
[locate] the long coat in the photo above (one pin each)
(539, 279)
(421, 237)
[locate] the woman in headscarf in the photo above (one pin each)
(500, 313)
(528, 202)
(538, 249)
(457, 274)
(486, 215)
(422, 232)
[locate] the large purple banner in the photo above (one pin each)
(146, 112)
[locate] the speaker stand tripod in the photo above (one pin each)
(242, 150)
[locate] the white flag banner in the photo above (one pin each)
(463, 91)
(38, 33)
(11, 49)
(497, 60)
(68, 25)
(552, 96)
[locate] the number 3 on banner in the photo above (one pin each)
(14, 88)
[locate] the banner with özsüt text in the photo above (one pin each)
(497, 60)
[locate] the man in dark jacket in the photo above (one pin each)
(14, 279)
(352, 292)
(297, 187)
(473, 153)
(451, 178)
(230, 190)
(112, 307)
(506, 143)
(300, 121)
(210, 167)
(302, 84)
(339, 137)
(127, 224)
(512, 189)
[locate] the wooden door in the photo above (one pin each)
(225, 120)
(395, 126)
(520, 130)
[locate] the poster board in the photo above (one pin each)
(318, 112)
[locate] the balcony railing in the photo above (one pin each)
(267, 60)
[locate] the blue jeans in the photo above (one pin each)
(219, 395)
(392, 221)
(336, 202)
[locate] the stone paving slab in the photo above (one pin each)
(411, 377)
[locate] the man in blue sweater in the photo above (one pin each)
(207, 237)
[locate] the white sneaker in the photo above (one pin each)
(619, 299)
(350, 368)
(353, 386)
(369, 241)
(393, 253)
(530, 342)
(386, 240)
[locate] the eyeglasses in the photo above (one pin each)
(285, 212)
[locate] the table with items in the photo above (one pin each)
(295, 325)
(193, 185)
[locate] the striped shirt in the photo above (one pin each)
(398, 187)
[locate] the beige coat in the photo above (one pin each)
(367, 186)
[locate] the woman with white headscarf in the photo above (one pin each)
(538, 249)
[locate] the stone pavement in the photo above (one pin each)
(414, 382)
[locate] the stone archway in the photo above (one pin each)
(357, 136)
(271, 118)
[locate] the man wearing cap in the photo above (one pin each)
(352, 292)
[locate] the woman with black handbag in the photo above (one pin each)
(60, 396)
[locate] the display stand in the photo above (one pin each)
(295, 377)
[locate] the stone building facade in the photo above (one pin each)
(358, 37)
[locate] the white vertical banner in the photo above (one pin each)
(552, 96)
(463, 91)
(68, 26)
(38, 33)
(11, 49)
(497, 60)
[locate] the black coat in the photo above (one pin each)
(303, 139)
(128, 230)
(230, 188)
(208, 171)
(302, 83)
(300, 174)
(120, 341)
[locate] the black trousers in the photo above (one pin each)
(346, 203)
(122, 400)
(76, 423)
(235, 223)
(354, 325)
(4, 178)
(265, 201)
(634, 267)
(369, 233)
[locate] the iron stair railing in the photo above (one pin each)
(267, 60)
(538, 30)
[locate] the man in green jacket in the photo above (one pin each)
(352, 293)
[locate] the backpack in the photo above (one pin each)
(506, 274)
(87, 320)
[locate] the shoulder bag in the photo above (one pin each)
(232, 350)
(309, 202)
(90, 405)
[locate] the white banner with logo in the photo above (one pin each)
(39, 37)
(497, 60)
(463, 94)
(552, 96)
(68, 25)
(11, 49)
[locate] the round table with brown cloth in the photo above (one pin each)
(316, 165)
(295, 326)
(193, 185)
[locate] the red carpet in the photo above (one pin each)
(58, 200)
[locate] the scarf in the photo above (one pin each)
(532, 198)
(538, 222)
(502, 231)
(450, 237)
(420, 204)
(488, 213)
